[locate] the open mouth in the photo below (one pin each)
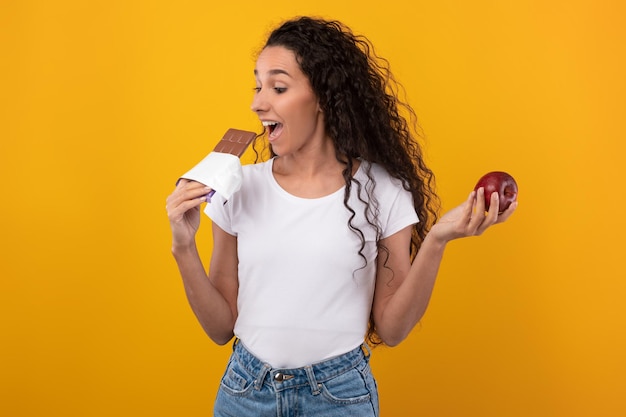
(274, 128)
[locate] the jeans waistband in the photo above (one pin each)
(312, 375)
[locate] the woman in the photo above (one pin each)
(330, 243)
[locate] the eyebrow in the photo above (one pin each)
(274, 72)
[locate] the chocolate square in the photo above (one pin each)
(235, 142)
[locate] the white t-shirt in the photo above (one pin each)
(305, 294)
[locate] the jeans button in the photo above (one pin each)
(280, 377)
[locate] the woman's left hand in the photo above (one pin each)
(470, 218)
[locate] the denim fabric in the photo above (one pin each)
(343, 386)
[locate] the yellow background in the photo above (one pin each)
(105, 103)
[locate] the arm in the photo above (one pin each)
(403, 290)
(213, 297)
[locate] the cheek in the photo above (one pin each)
(308, 109)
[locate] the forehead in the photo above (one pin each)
(274, 58)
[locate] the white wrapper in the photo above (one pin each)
(220, 171)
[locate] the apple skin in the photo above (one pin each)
(502, 183)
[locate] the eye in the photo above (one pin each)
(280, 90)
(256, 89)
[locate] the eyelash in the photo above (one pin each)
(278, 90)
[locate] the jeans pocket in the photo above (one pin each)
(347, 388)
(236, 380)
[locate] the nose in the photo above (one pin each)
(259, 102)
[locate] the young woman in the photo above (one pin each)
(330, 245)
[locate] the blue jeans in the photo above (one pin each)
(341, 386)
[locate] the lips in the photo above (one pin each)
(274, 128)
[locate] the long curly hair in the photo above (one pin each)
(365, 117)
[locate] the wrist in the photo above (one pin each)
(181, 250)
(435, 241)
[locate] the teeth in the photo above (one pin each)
(266, 124)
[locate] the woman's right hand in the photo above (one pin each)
(183, 210)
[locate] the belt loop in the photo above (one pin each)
(367, 351)
(315, 387)
(258, 382)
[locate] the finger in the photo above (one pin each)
(478, 215)
(491, 217)
(469, 202)
(189, 191)
(187, 184)
(176, 213)
(494, 207)
(467, 210)
(508, 212)
(480, 200)
(181, 185)
(190, 184)
(480, 223)
(186, 191)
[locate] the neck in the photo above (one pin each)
(310, 163)
(309, 174)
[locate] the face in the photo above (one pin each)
(285, 102)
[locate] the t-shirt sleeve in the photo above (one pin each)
(401, 213)
(218, 211)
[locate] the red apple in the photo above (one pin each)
(502, 183)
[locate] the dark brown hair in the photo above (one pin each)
(364, 116)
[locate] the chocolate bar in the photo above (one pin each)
(221, 168)
(235, 142)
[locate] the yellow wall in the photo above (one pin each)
(104, 103)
